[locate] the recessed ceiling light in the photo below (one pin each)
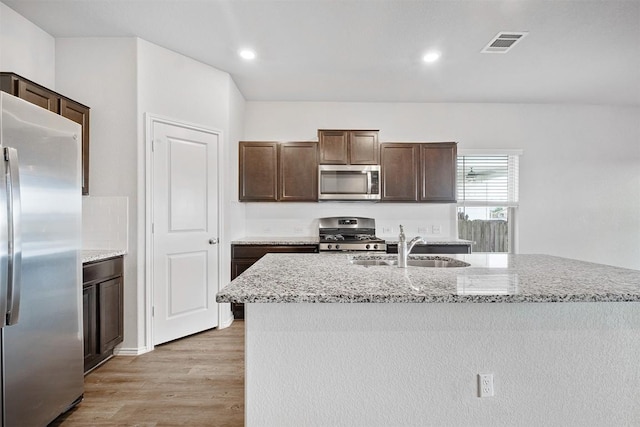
(247, 54)
(430, 57)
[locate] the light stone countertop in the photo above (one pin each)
(297, 240)
(93, 255)
(330, 278)
(394, 241)
(278, 240)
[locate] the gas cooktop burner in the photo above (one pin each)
(332, 237)
(365, 237)
(349, 234)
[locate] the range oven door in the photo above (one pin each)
(349, 182)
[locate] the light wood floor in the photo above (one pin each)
(195, 381)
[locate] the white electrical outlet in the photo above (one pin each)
(387, 230)
(297, 229)
(436, 229)
(485, 385)
(422, 230)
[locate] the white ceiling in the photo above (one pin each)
(370, 50)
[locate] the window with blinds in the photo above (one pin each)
(488, 180)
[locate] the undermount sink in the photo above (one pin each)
(437, 263)
(372, 262)
(434, 262)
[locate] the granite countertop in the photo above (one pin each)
(331, 278)
(297, 240)
(394, 241)
(93, 255)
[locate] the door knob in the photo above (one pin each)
(213, 241)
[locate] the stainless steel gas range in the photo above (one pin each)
(347, 233)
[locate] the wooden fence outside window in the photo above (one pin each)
(486, 235)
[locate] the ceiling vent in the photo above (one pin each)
(504, 41)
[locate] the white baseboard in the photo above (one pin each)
(226, 323)
(133, 351)
(130, 351)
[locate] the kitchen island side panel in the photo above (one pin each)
(417, 364)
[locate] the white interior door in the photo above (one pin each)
(184, 231)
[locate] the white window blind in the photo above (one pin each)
(488, 180)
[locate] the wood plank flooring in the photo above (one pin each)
(194, 381)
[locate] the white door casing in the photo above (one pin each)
(184, 230)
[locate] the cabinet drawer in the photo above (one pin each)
(258, 251)
(101, 270)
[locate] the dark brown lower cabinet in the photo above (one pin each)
(102, 308)
(244, 256)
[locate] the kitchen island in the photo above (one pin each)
(329, 342)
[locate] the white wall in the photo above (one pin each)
(101, 73)
(301, 219)
(172, 85)
(554, 364)
(579, 183)
(234, 223)
(105, 222)
(121, 79)
(25, 49)
(176, 87)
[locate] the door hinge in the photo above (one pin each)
(153, 145)
(153, 311)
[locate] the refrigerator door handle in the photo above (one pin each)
(4, 237)
(15, 241)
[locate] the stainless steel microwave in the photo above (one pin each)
(349, 182)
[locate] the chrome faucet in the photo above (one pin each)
(404, 248)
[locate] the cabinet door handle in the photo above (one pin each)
(213, 241)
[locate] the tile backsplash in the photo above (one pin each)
(105, 223)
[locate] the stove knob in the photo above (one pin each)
(368, 246)
(337, 247)
(375, 246)
(329, 246)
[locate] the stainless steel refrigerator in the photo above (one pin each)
(40, 267)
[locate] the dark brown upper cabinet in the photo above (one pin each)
(278, 172)
(344, 147)
(79, 114)
(413, 172)
(400, 172)
(38, 95)
(52, 101)
(438, 172)
(298, 172)
(258, 171)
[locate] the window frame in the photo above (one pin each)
(511, 204)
